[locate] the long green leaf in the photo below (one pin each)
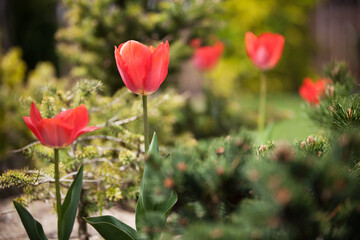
(166, 206)
(145, 205)
(112, 229)
(32, 227)
(155, 153)
(70, 205)
(140, 217)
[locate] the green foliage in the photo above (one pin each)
(112, 229)
(300, 192)
(12, 68)
(211, 116)
(152, 213)
(19, 178)
(94, 27)
(289, 18)
(338, 108)
(290, 192)
(66, 215)
(12, 73)
(209, 179)
(32, 227)
(316, 145)
(112, 156)
(214, 115)
(70, 205)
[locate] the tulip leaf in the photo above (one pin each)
(140, 217)
(70, 205)
(146, 205)
(144, 192)
(144, 202)
(33, 228)
(111, 228)
(166, 206)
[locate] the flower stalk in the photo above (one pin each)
(262, 105)
(146, 124)
(57, 190)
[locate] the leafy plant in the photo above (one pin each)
(338, 108)
(150, 215)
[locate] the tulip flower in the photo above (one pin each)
(265, 50)
(142, 68)
(312, 91)
(206, 57)
(56, 133)
(62, 130)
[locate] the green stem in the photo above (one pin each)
(262, 106)
(57, 187)
(146, 124)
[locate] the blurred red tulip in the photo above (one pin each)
(142, 68)
(205, 58)
(62, 130)
(312, 91)
(265, 50)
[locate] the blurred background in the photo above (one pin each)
(63, 41)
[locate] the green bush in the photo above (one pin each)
(93, 28)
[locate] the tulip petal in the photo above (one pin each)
(159, 68)
(137, 58)
(34, 114)
(77, 118)
(33, 128)
(311, 91)
(85, 130)
(250, 44)
(55, 133)
(123, 70)
(60, 131)
(205, 58)
(275, 44)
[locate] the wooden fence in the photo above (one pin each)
(336, 29)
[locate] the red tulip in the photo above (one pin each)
(205, 58)
(312, 91)
(265, 50)
(62, 130)
(142, 68)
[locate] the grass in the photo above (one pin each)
(295, 123)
